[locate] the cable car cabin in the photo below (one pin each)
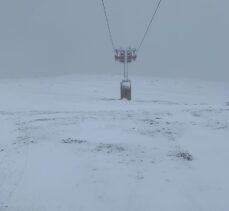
(126, 89)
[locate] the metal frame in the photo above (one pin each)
(125, 56)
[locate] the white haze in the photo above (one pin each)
(189, 38)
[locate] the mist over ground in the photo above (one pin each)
(53, 37)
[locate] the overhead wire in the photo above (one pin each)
(144, 35)
(148, 27)
(108, 25)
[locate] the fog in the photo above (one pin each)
(189, 38)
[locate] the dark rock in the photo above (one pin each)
(185, 155)
(70, 141)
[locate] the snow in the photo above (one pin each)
(68, 143)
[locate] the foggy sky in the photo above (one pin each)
(189, 38)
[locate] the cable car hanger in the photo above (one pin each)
(127, 55)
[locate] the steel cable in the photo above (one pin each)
(108, 25)
(148, 27)
(144, 35)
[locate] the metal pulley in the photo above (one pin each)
(125, 55)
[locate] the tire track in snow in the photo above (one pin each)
(14, 174)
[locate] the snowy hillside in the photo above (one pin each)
(69, 144)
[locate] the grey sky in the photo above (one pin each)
(51, 37)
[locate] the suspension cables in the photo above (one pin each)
(108, 25)
(144, 35)
(148, 27)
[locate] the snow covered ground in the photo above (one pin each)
(69, 144)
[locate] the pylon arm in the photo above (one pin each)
(125, 55)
